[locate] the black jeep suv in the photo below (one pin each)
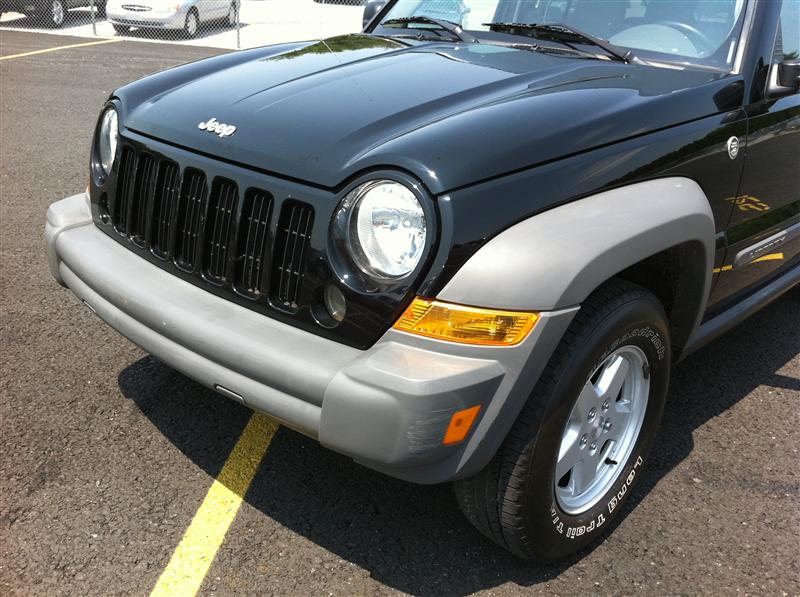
(467, 244)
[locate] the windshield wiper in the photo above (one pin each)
(453, 28)
(559, 31)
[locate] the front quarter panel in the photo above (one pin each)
(554, 260)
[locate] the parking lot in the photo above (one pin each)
(261, 22)
(107, 456)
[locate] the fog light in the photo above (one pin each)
(335, 303)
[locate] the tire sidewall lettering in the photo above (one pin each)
(597, 521)
(580, 528)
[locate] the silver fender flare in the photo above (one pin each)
(555, 259)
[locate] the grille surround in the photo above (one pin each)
(220, 214)
(252, 251)
(190, 219)
(294, 231)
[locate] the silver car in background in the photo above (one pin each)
(173, 15)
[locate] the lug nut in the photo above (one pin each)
(592, 414)
(606, 425)
(584, 439)
(605, 405)
(593, 446)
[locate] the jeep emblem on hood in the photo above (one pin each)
(213, 126)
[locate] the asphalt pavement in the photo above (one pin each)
(106, 454)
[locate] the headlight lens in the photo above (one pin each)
(108, 139)
(387, 229)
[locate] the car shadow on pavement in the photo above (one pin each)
(413, 538)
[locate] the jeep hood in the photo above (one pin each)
(451, 113)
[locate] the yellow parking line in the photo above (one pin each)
(57, 48)
(193, 557)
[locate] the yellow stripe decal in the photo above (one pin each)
(193, 557)
(57, 48)
(770, 257)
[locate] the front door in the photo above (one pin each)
(763, 236)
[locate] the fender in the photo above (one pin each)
(555, 259)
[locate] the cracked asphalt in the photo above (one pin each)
(106, 454)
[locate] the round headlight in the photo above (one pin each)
(108, 139)
(387, 229)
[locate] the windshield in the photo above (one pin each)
(689, 32)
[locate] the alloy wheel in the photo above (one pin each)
(191, 24)
(602, 429)
(57, 13)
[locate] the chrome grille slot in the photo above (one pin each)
(219, 220)
(146, 171)
(294, 231)
(189, 218)
(164, 199)
(125, 187)
(253, 233)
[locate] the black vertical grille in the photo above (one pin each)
(220, 233)
(146, 171)
(125, 183)
(164, 199)
(190, 211)
(253, 234)
(294, 231)
(221, 210)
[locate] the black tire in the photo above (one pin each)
(189, 31)
(232, 12)
(512, 501)
(101, 10)
(53, 13)
(122, 29)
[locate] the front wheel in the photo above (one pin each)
(579, 445)
(56, 14)
(191, 25)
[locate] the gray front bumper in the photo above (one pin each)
(387, 407)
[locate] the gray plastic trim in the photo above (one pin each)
(236, 338)
(289, 410)
(387, 407)
(557, 258)
(62, 215)
(402, 383)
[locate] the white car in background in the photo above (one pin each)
(172, 15)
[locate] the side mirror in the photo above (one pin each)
(372, 8)
(789, 74)
(784, 78)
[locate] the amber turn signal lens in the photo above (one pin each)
(460, 424)
(467, 325)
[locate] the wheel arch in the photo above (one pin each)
(659, 234)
